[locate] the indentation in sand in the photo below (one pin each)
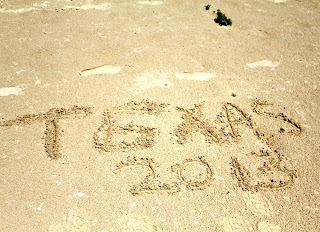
(147, 80)
(106, 69)
(264, 63)
(195, 76)
(76, 220)
(18, 11)
(44, 6)
(89, 7)
(265, 226)
(279, 1)
(78, 194)
(10, 91)
(235, 223)
(258, 204)
(153, 3)
(34, 206)
(135, 222)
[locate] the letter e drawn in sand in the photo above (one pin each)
(265, 170)
(195, 173)
(117, 134)
(52, 132)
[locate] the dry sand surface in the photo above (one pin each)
(128, 115)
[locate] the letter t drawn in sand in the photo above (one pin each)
(53, 131)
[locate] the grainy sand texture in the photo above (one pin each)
(128, 115)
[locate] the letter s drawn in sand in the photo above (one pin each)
(269, 110)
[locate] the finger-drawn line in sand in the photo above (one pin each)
(258, 108)
(235, 117)
(145, 107)
(144, 162)
(52, 138)
(194, 121)
(228, 123)
(106, 69)
(233, 120)
(146, 185)
(199, 183)
(52, 132)
(272, 175)
(188, 173)
(111, 136)
(229, 126)
(104, 137)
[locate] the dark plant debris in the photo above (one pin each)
(221, 19)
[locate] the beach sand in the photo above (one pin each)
(148, 116)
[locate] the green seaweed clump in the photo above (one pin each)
(221, 19)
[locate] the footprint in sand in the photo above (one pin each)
(264, 63)
(134, 222)
(258, 204)
(265, 226)
(148, 80)
(235, 223)
(195, 76)
(106, 69)
(77, 220)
